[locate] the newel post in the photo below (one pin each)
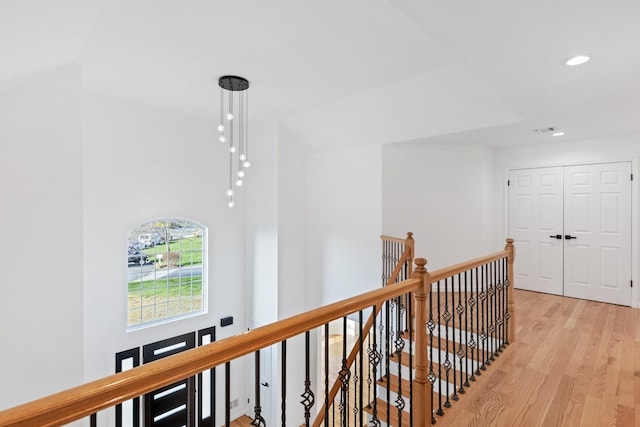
(410, 243)
(512, 314)
(421, 405)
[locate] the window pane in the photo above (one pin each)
(165, 271)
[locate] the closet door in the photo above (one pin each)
(536, 225)
(597, 231)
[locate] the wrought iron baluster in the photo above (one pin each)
(227, 394)
(326, 374)
(472, 305)
(466, 331)
(361, 359)
(399, 347)
(384, 262)
(375, 357)
(308, 398)
(453, 339)
(462, 346)
(440, 411)
(478, 310)
(258, 420)
(344, 375)
(387, 355)
(507, 315)
(372, 331)
(410, 334)
(283, 387)
(447, 363)
(492, 319)
(500, 320)
(431, 326)
(496, 312)
(483, 310)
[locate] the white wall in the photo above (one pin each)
(42, 255)
(141, 163)
(443, 195)
(611, 149)
(261, 191)
(291, 226)
(343, 223)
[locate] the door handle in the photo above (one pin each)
(568, 237)
(265, 384)
(557, 236)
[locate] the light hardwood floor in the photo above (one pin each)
(574, 363)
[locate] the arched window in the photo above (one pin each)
(165, 269)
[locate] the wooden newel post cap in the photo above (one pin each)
(509, 247)
(420, 265)
(409, 235)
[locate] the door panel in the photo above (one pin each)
(535, 214)
(598, 215)
(589, 203)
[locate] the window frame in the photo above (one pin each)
(150, 227)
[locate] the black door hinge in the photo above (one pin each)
(631, 177)
(631, 283)
(508, 182)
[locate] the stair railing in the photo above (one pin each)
(397, 265)
(492, 276)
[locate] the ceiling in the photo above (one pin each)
(342, 73)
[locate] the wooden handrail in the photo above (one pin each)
(392, 239)
(81, 401)
(443, 273)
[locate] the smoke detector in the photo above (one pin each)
(549, 129)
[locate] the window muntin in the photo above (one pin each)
(165, 271)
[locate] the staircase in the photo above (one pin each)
(467, 328)
(453, 375)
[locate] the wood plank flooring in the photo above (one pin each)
(574, 363)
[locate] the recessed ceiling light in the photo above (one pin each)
(557, 134)
(577, 60)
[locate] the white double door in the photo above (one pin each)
(572, 230)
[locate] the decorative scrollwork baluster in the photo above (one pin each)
(344, 376)
(447, 363)
(399, 347)
(440, 411)
(258, 420)
(461, 352)
(466, 331)
(483, 336)
(308, 399)
(375, 357)
(472, 340)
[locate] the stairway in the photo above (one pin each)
(447, 388)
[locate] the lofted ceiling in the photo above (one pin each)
(340, 73)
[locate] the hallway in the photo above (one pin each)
(574, 363)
